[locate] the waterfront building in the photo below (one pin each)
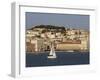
(75, 45)
(36, 45)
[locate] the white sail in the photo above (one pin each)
(52, 53)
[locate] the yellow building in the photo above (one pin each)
(36, 45)
(72, 45)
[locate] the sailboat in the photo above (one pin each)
(52, 53)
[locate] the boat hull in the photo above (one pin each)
(52, 57)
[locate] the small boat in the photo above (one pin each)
(52, 53)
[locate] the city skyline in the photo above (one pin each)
(66, 20)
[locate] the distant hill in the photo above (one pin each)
(49, 27)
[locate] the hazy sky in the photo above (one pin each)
(67, 20)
